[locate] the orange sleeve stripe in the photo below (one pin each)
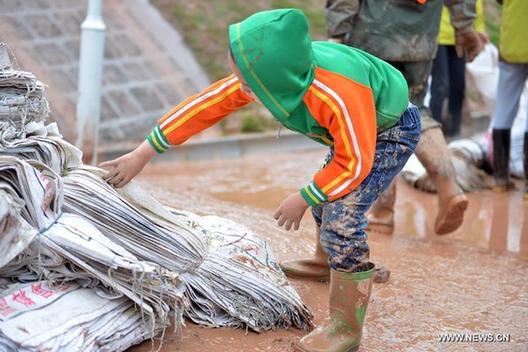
(347, 110)
(204, 105)
(209, 92)
(356, 160)
(199, 112)
(345, 136)
(337, 112)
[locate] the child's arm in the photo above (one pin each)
(197, 113)
(349, 114)
(185, 120)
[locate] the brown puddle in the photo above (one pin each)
(471, 281)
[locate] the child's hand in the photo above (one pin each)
(291, 211)
(126, 167)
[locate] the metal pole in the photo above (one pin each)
(93, 32)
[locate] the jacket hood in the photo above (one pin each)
(273, 51)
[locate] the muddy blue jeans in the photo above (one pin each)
(343, 221)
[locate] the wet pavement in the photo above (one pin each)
(473, 281)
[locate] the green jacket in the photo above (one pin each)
(395, 30)
(513, 46)
(332, 93)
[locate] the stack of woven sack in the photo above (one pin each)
(123, 265)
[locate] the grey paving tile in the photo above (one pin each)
(72, 47)
(42, 26)
(113, 74)
(124, 104)
(13, 27)
(169, 92)
(69, 22)
(63, 80)
(107, 111)
(51, 54)
(136, 71)
(147, 97)
(126, 45)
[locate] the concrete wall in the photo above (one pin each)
(147, 67)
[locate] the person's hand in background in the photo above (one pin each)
(484, 38)
(468, 42)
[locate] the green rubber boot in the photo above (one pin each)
(349, 297)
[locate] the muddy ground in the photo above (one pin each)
(472, 281)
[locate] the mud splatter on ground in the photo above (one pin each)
(472, 281)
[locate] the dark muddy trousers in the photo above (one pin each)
(343, 221)
(416, 73)
(448, 80)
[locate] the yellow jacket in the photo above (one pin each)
(513, 46)
(447, 32)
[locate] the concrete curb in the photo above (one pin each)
(225, 147)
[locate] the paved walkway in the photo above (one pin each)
(147, 68)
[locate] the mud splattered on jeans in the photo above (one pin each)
(343, 221)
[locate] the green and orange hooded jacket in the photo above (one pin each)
(334, 94)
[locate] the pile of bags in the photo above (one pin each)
(22, 98)
(96, 323)
(123, 265)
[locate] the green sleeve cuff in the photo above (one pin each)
(157, 140)
(313, 194)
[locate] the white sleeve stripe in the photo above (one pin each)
(316, 192)
(350, 127)
(198, 100)
(342, 187)
(160, 138)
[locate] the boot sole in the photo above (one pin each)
(311, 270)
(322, 278)
(299, 348)
(454, 216)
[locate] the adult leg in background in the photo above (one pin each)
(433, 154)
(457, 89)
(512, 78)
(439, 83)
